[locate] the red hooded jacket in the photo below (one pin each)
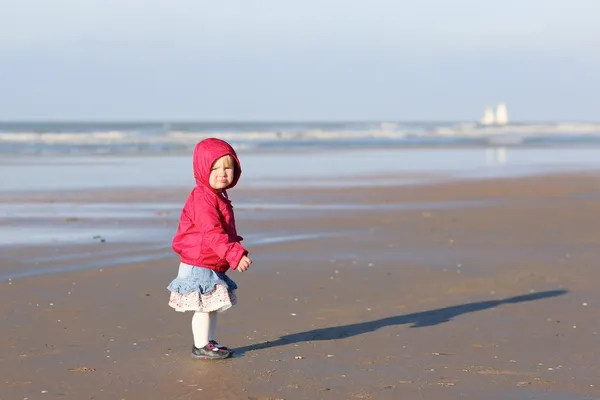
(206, 235)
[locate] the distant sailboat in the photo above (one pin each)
(501, 114)
(497, 117)
(488, 117)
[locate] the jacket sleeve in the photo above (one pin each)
(206, 216)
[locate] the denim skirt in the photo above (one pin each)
(201, 289)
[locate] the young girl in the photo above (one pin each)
(208, 245)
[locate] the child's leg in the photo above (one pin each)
(212, 325)
(200, 328)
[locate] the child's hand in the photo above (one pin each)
(244, 264)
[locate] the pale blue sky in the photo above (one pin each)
(298, 59)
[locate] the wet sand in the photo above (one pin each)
(480, 289)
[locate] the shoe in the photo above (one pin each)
(217, 345)
(210, 352)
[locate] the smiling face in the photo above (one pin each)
(222, 173)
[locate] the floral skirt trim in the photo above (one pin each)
(201, 289)
(220, 299)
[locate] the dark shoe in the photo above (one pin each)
(210, 352)
(217, 345)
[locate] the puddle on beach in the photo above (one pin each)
(28, 235)
(49, 264)
(30, 223)
(87, 210)
(74, 224)
(171, 210)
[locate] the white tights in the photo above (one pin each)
(204, 326)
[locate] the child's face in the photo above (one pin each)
(222, 173)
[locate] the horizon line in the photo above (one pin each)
(272, 121)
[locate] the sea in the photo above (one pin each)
(44, 160)
(89, 138)
(55, 156)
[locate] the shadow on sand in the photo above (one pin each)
(418, 320)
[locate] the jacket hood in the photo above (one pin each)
(206, 153)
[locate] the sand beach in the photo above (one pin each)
(479, 288)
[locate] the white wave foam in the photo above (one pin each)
(64, 138)
(385, 131)
(525, 130)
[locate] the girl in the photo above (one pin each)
(208, 245)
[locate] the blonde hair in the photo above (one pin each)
(228, 162)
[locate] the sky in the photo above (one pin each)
(298, 60)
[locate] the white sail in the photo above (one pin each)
(488, 117)
(501, 114)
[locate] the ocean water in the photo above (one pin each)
(55, 157)
(85, 155)
(84, 138)
(300, 168)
